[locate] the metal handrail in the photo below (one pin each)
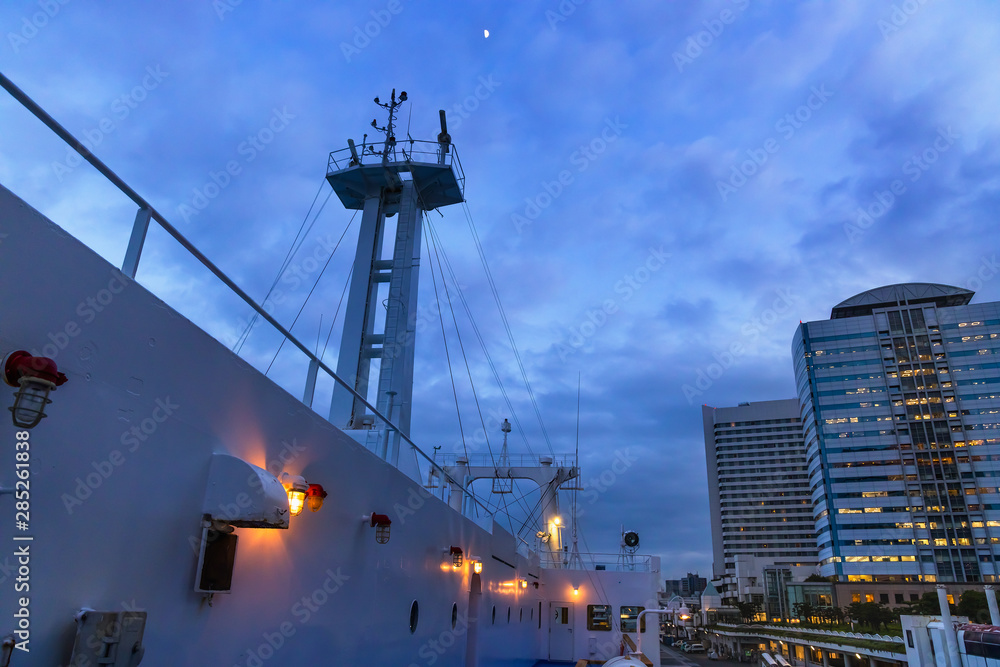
(409, 151)
(106, 171)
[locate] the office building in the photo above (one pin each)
(759, 496)
(900, 395)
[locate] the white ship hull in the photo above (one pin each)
(118, 475)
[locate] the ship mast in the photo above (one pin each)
(384, 179)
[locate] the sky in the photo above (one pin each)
(662, 191)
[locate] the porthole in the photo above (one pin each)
(414, 616)
(454, 615)
(494, 620)
(508, 614)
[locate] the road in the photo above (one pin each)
(671, 658)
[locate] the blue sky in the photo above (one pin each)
(655, 184)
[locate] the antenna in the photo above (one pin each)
(389, 129)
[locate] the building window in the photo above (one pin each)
(899, 598)
(628, 616)
(855, 597)
(599, 617)
(914, 597)
(869, 597)
(883, 598)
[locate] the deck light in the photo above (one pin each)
(576, 590)
(524, 583)
(35, 377)
(381, 523)
(296, 487)
(456, 557)
(315, 495)
(477, 565)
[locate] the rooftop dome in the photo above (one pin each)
(901, 294)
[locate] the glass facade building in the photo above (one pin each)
(900, 396)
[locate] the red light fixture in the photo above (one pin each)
(34, 377)
(315, 495)
(381, 523)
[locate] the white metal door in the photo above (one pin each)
(560, 631)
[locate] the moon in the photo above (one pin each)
(486, 34)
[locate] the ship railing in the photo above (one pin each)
(408, 151)
(147, 213)
(614, 562)
(507, 461)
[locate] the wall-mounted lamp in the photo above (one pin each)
(35, 377)
(477, 565)
(315, 495)
(576, 590)
(381, 523)
(296, 487)
(457, 557)
(524, 583)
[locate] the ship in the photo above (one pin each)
(164, 502)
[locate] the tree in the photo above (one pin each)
(816, 577)
(873, 615)
(927, 605)
(973, 604)
(748, 610)
(804, 611)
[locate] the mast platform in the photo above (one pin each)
(433, 167)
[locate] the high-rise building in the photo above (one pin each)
(900, 394)
(689, 586)
(759, 494)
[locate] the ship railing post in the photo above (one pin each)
(136, 241)
(307, 396)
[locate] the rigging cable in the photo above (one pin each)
(468, 370)
(482, 343)
(292, 250)
(312, 289)
(506, 323)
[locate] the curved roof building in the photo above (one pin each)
(901, 294)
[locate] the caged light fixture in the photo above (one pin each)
(34, 377)
(457, 557)
(381, 523)
(315, 495)
(296, 487)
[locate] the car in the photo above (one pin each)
(712, 655)
(681, 645)
(694, 648)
